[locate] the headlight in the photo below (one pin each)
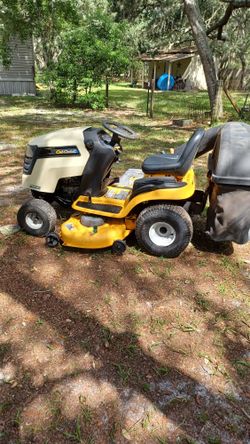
(29, 159)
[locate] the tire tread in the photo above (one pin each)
(154, 210)
(37, 205)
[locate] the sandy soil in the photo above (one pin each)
(101, 349)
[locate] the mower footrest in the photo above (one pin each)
(108, 208)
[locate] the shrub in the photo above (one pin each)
(93, 100)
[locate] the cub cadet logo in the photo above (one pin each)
(66, 151)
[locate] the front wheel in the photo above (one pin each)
(164, 230)
(52, 240)
(37, 217)
(118, 247)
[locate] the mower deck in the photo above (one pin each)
(74, 234)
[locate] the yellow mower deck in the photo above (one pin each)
(74, 234)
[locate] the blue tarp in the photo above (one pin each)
(162, 82)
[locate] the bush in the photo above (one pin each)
(60, 97)
(93, 100)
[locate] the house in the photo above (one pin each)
(183, 62)
(19, 77)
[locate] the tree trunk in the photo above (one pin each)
(107, 93)
(243, 70)
(74, 96)
(199, 33)
(218, 104)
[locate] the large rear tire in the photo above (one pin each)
(37, 217)
(164, 230)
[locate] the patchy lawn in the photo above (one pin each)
(102, 349)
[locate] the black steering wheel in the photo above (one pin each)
(119, 130)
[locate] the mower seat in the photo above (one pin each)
(174, 164)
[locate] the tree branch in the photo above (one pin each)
(232, 5)
(222, 22)
(238, 3)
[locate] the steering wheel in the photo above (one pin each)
(119, 130)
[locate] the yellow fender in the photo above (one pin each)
(122, 208)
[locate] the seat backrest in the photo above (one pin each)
(188, 154)
(208, 141)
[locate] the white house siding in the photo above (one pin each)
(18, 78)
(194, 74)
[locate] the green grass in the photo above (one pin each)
(169, 104)
(202, 303)
(123, 372)
(22, 120)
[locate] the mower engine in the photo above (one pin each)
(53, 165)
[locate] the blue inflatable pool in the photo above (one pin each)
(162, 82)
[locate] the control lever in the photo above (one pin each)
(120, 145)
(118, 151)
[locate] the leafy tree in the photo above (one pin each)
(42, 19)
(200, 37)
(97, 50)
(220, 28)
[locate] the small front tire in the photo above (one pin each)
(37, 217)
(164, 230)
(52, 240)
(118, 247)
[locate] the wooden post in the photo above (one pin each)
(131, 76)
(143, 75)
(169, 74)
(152, 92)
(107, 93)
(148, 98)
(235, 106)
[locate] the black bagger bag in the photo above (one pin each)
(228, 216)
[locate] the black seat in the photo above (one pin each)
(176, 164)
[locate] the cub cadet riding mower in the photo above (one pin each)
(152, 201)
(156, 201)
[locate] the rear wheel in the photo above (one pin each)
(37, 217)
(48, 197)
(164, 230)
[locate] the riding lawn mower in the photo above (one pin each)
(73, 167)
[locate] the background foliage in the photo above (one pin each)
(80, 43)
